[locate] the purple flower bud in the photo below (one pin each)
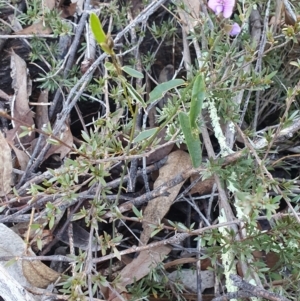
(235, 30)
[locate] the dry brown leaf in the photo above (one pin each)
(190, 15)
(20, 107)
(35, 28)
(37, 273)
(140, 266)
(61, 149)
(12, 245)
(6, 168)
(20, 154)
(202, 187)
(156, 209)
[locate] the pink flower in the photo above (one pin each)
(235, 30)
(222, 6)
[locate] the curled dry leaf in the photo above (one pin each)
(5, 166)
(25, 272)
(156, 209)
(20, 107)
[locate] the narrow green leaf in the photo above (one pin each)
(144, 135)
(134, 94)
(192, 140)
(53, 141)
(97, 29)
(155, 232)
(117, 253)
(136, 212)
(132, 72)
(198, 95)
(51, 222)
(160, 90)
(271, 75)
(10, 262)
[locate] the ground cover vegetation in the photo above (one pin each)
(149, 150)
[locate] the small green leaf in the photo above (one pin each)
(160, 90)
(35, 226)
(144, 135)
(271, 75)
(53, 141)
(136, 212)
(117, 253)
(39, 243)
(198, 95)
(132, 72)
(97, 29)
(134, 94)
(25, 131)
(10, 262)
(51, 222)
(155, 232)
(192, 141)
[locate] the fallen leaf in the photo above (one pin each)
(156, 209)
(6, 168)
(22, 157)
(141, 266)
(37, 273)
(22, 270)
(20, 107)
(35, 28)
(202, 187)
